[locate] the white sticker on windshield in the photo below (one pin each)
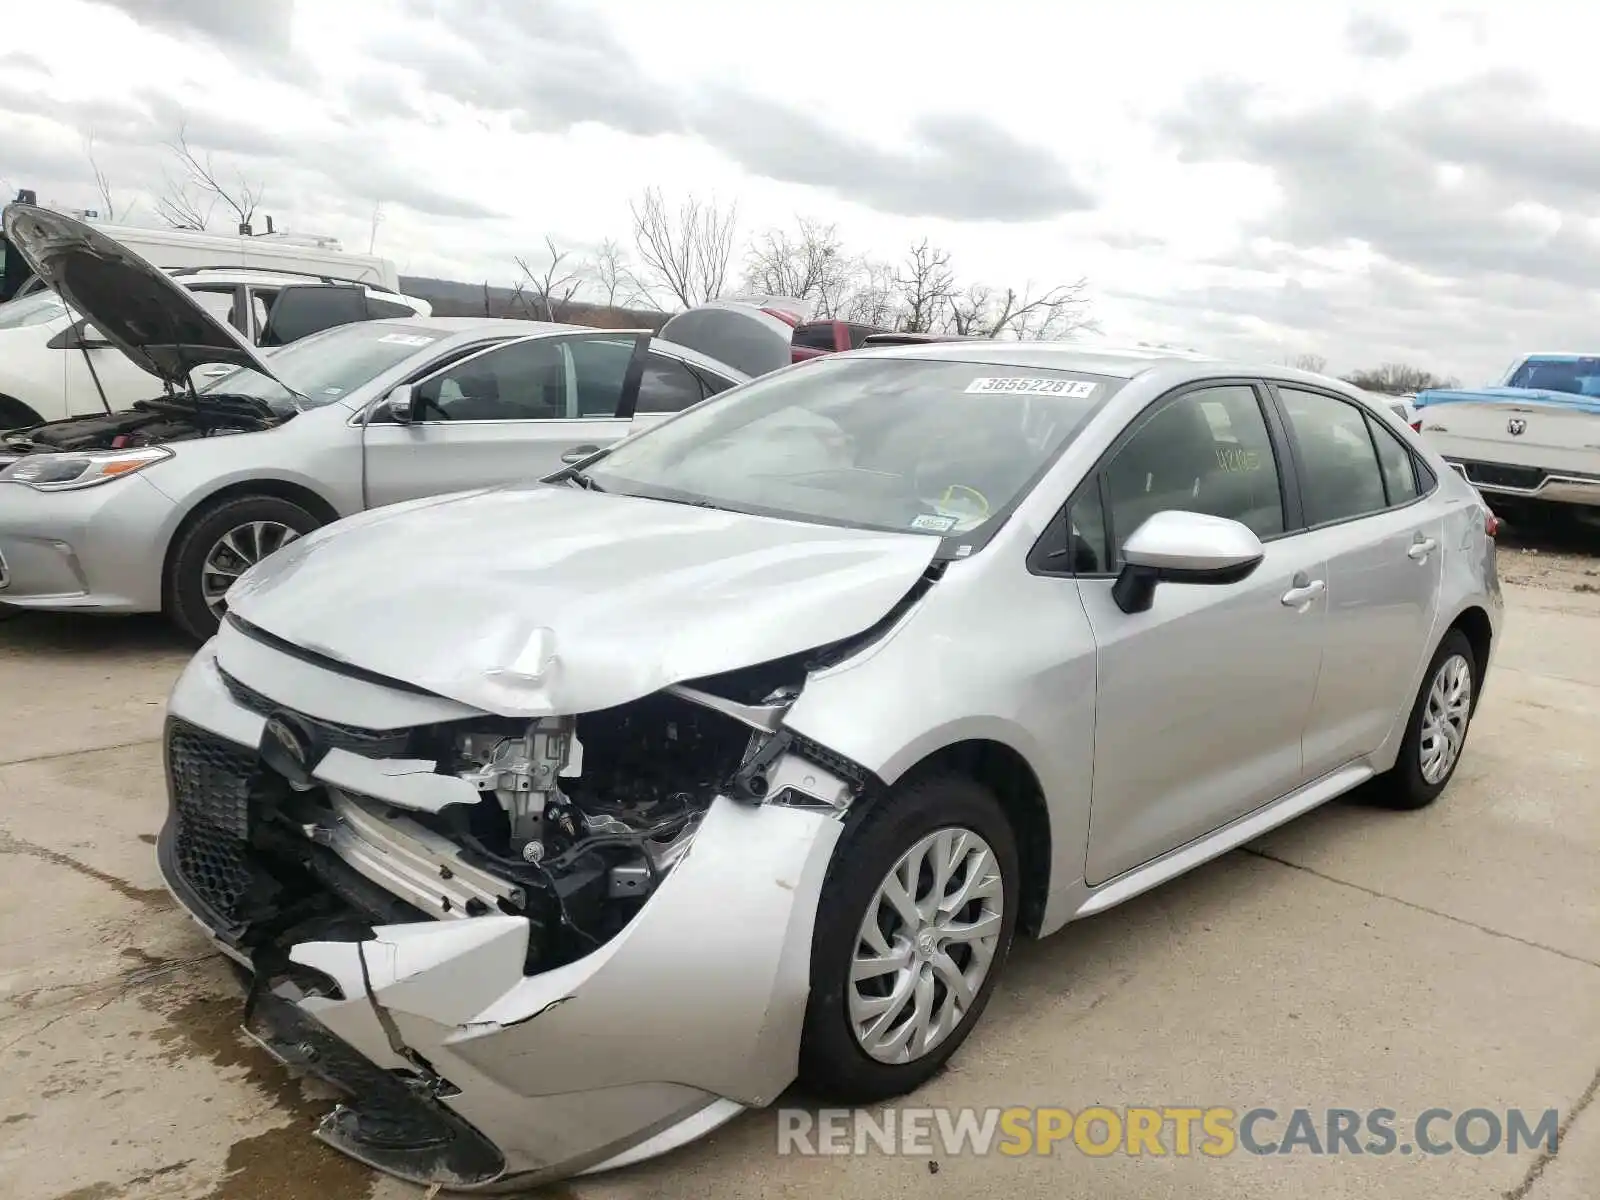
(934, 523)
(406, 339)
(1017, 385)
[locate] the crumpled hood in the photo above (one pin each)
(547, 599)
(1507, 395)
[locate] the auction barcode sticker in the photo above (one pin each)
(1017, 385)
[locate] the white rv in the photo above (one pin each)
(298, 254)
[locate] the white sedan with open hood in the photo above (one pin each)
(163, 506)
(556, 823)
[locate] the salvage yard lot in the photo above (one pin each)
(1354, 959)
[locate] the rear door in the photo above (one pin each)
(1364, 498)
(506, 414)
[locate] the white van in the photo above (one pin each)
(300, 254)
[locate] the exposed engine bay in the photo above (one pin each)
(148, 423)
(577, 821)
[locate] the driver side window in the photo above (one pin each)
(520, 382)
(1207, 452)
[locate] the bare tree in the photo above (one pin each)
(809, 263)
(613, 276)
(873, 298)
(1025, 315)
(102, 181)
(556, 285)
(182, 206)
(192, 194)
(927, 285)
(377, 219)
(1314, 363)
(684, 253)
(1398, 379)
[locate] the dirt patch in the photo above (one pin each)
(285, 1163)
(1555, 557)
(153, 898)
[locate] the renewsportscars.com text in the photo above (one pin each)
(1179, 1131)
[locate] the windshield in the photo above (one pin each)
(31, 310)
(326, 366)
(1580, 376)
(933, 447)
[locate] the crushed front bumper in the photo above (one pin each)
(459, 1067)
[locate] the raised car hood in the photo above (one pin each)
(1508, 396)
(546, 599)
(136, 306)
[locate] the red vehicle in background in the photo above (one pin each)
(811, 338)
(814, 338)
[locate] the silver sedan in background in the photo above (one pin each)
(556, 823)
(162, 507)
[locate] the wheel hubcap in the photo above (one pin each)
(1444, 718)
(235, 552)
(925, 946)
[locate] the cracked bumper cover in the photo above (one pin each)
(691, 1013)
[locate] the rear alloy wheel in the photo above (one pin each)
(1436, 733)
(225, 542)
(915, 921)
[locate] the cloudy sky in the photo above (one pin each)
(1416, 182)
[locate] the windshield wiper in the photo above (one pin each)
(583, 481)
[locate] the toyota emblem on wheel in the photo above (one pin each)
(1516, 426)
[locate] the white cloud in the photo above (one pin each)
(1414, 185)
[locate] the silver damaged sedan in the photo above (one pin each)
(554, 824)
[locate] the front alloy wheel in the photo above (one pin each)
(926, 945)
(912, 930)
(235, 552)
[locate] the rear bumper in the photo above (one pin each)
(1529, 483)
(457, 1066)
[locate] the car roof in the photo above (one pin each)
(465, 327)
(187, 275)
(1122, 362)
(1092, 358)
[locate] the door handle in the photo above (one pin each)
(1301, 597)
(1421, 548)
(214, 372)
(578, 453)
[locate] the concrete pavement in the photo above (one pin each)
(1357, 958)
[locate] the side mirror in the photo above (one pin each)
(403, 403)
(1183, 547)
(90, 338)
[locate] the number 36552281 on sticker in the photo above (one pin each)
(1017, 385)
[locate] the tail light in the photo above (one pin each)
(1416, 426)
(1491, 523)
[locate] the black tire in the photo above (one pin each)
(184, 594)
(1404, 786)
(832, 1062)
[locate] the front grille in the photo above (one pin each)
(330, 735)
(211, 781)
(1502, 475)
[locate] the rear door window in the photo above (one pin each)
(1340, 476)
